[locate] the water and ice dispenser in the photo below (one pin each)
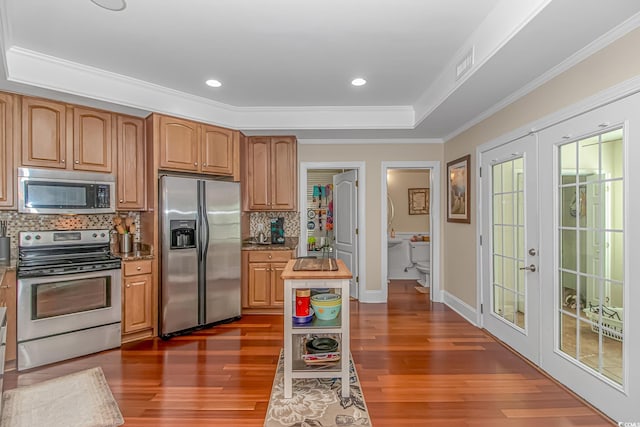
(183, 234)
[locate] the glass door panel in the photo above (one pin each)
(508, 247)
(591, 252)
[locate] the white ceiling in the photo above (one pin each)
(286, 65)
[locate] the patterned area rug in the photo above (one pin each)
(316, 402)
(82, 399)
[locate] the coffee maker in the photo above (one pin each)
(277, 230)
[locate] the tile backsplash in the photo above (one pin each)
(17, 222)
(291, 223)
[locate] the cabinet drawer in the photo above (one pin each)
(131, 268)
(269, 256)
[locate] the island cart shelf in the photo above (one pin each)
(295, 335)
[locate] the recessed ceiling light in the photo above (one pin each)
(114, 5)
(358, 82)
(213, 83)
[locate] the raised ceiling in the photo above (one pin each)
(286, 65)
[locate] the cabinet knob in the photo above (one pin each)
(204, 164)
(128, 285)
(195, 164)
(138, 268)
(121, 201)
(62, 161)
(77, 162)
(269, 256)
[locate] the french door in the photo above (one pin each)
(590, 240)
(510, 278)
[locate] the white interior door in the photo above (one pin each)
(590, 238)
(345, 223)
(510, 278)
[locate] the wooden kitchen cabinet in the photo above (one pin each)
(196, 147)
(178, 144)
(60, 136)
(220, 151)
(131, 194)
(8, 131)
(270, 174)
(137, 304)
(92, 140)
(44, 133)
(8, 295)
(263, 288)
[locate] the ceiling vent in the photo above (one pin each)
(465, 64)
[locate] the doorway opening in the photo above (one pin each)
(331, 204)
(410, 225)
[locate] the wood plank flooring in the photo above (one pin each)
(420, 364)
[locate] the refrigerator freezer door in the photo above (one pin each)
(179, 277)
(222, 256)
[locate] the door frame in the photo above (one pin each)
(434, 224)
(533, 306)
(360, 238)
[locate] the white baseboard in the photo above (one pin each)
(461, 307)
(372, 297)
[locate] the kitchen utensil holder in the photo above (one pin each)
(5, 250)
(126, 243)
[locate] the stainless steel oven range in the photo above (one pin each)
(69, 301)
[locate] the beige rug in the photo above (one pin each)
(82, 399)
(316, 402)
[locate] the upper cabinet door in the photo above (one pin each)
(92, 143)
(283, 173)
(7, 163)
(257, 174)
(44, 133)
(131, 163)
(178, 144)
(219, 150)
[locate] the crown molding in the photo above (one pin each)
(36, 69)
(370, 141)
(500, 26)
(579, 56)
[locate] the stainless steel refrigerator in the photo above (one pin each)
(200, 262)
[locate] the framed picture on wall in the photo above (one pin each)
(418, 201)
(458, 190)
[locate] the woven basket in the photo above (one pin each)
(610, 321)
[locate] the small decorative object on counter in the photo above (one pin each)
(5, 245)
(303, 299)
(277, 230)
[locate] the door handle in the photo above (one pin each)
(530, 268)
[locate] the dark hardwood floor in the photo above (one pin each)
(419, 364)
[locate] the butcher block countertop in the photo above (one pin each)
(290, 274)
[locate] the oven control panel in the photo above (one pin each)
(62, 237)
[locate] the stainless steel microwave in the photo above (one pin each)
(46, 191)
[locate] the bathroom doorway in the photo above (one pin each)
(410, 225)
(330, 203)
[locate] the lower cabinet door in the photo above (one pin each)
(259, 284)
(137, 303)
(277, 284)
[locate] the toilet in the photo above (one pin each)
(420, 257)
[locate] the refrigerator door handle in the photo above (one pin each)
(205, 224)
(200, 222)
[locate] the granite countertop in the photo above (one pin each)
(140, 251)
(290, 244)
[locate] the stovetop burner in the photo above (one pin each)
(47, 253)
